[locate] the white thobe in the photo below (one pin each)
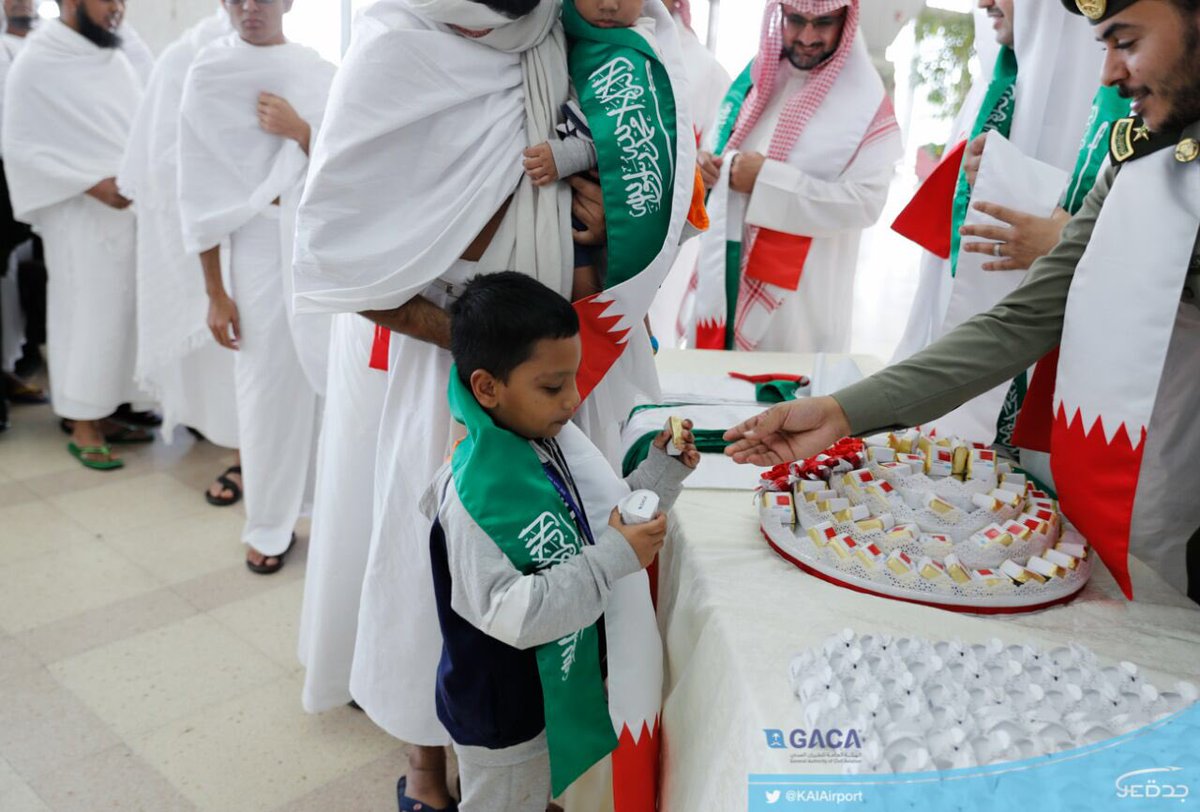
(343, 512)
(70, 106)
(178, 363)
(833, 205)
(230, 172)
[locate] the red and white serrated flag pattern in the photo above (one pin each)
(1120, 317)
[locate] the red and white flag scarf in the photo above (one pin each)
(1121, 320)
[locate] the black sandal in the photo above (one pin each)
(226, 484)
(270, 569)
(146, 419)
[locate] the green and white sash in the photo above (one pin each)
(626, 93)
(502, 484)
(996, 114)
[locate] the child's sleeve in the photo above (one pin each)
(529, 610)
(573, 155)
(661, 473)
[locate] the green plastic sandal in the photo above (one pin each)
(82, 453)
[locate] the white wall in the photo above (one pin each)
(159, 22)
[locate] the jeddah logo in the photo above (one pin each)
(1139, 784)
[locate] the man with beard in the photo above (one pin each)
(1119, 290)
(800, 163)
(251, 104)
(71, 98)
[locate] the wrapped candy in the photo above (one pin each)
(1044, 568)
(992, 535)
(877, 455)
(931, 570)
(1061, 559)
(981, 464)
(956, 570)
(781, 505)
(822, 534)
(900, 563)
(903, 533)
(843, 546)
(870, 555)
(942, 508)
(882, 522)
(852, 513)
(1072, 549)
(987, 577)
(832, 505)
(1020, 575)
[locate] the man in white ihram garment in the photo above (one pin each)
(800, 163)
(251, 105)
(504, 78)
(70, 101)
(178, 362)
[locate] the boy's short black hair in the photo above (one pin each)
(499, 318)
(510, 8)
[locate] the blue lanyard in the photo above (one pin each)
(564, 493)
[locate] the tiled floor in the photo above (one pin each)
(142, 666)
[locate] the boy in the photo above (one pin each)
(520, 576)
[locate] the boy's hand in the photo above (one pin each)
(689, 455)
(645, 539)
(540, 166)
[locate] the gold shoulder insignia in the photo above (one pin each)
(1187, 150)
(1092, 9)
(1120, 143)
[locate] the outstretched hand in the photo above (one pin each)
(789, 431)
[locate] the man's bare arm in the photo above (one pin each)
(419, 318)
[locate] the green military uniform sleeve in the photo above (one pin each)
(984, 351)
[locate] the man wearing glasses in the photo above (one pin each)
(801, 158)
(251, 104)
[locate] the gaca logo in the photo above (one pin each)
(815, 739)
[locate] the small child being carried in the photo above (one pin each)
(575, 152)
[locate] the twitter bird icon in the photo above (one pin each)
(773, 796)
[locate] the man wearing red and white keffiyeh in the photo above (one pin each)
(804, 169)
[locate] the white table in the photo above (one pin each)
(734, 614)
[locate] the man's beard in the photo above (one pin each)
(20, 24)
(1185, 96)
(98, 34)
(800, 62)
(1182, 89)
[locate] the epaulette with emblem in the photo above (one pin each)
(1132, 139)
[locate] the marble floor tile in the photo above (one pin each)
(140, 501)
(269, 621)
(44, 726)
(259, 751)
(115, 779)
(34, 528)
(151, 679)
(65, 582)
(185, 548)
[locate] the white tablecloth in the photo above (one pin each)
(734, 615)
